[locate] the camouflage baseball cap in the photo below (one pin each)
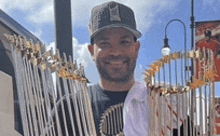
(112, 14)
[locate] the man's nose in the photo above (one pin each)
(115, 51)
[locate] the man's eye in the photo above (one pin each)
(125, 43)
(104, 44)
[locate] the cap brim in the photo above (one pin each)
(136, 33)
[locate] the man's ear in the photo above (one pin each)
(91, 49)
(137, 47)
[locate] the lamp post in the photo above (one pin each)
(166, 48)
(166, 51)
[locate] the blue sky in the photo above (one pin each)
(151, 15)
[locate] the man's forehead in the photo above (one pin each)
(104, 37)
(107, 33)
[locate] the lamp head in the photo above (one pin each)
(166, 48)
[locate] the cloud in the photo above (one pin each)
(19, 4)
(45, 14)
(37, 11)
(80, 52)
(41, 11)
(51, 46)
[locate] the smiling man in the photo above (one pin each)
(114, 49)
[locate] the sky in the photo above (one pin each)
(37, 16)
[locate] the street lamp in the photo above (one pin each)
(166, 48)
(166, 51)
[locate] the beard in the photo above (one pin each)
(114, 73)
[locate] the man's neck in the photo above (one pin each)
(116, 86)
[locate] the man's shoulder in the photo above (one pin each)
(140, 85)
(138, 92)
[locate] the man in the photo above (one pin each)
(114, 49)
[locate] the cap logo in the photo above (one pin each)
(96, 18)
(114, 12)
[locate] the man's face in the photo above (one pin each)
(115, 53)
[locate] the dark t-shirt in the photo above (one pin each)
(102, 99)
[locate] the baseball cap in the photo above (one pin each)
(112, 14)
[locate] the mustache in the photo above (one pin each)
(114, 58)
